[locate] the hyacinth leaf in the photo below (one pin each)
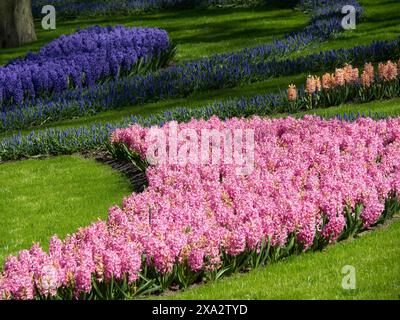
(147, 288)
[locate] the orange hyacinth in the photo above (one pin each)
(292, 92)
(387, 71)
(391, 71)
(355, 75)
(339, 77)
(347, 73)
(366, 79)
(328, 81)
(350, 74)
(311, 85)
(318, 84)
(369, 70)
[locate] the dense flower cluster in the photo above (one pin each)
(350, 75)
(346, 84)
(307, 172)
(79, 59)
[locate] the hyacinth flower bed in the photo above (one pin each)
(218, 71)
(314, 182)
(82, 59)
(346, 85)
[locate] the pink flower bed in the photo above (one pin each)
(306, 172)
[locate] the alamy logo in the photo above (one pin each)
(349, 279)
(49, 21)
(349, 21)
(215, 147)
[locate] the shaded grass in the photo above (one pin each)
(318, 275)
(197, 32)
(202, 32)
(39, 198)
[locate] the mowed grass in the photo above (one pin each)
(318, 275)
(198, 32)
(39, 198)
(203, 32)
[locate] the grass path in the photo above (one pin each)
(195, 100)
(318, 275)
(39, 198)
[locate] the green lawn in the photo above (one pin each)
(39, 198)
(198, 33)
(318, 275)
(202, 32)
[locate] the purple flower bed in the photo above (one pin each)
(80, 59)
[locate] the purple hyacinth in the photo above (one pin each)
(81, 58)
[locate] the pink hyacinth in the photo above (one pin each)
(292, 92)
(340, 77)
(311, 85)
(368, 75)
(387, 71)
(328, 81)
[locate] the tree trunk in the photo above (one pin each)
(16, 23)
